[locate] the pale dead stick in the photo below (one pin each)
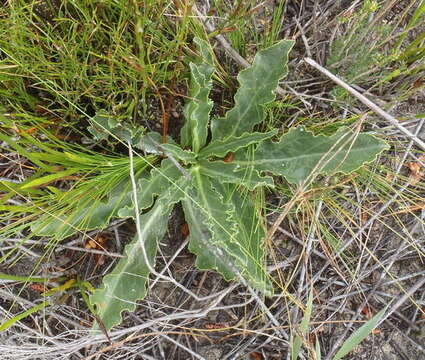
(392, 120)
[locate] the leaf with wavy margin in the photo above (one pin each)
(177, 152)
(234, 173)
(93, 213)
(208, 256)
(220, 148)
(157, 183)
(103, 126)
(299, 153)
(151, 143)
(196, 112)
(250, 238)
(127, 282)
(96, 214)
(257, 85)
(224, 236)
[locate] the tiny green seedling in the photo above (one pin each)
(217, 161)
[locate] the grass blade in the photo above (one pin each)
(7, 324)
(318, 355)
(295, 350)
(359, 335)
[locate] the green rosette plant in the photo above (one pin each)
(227, 231)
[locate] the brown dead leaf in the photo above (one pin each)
(256, 356)
(389, 177)
(367, 312)
(38, 287)
(185, 230)
(215, 326)
(418, 83)
(229, 29)
(100, 259)
(228, 158)
(416, 171)
(98, 243)
(364, 216)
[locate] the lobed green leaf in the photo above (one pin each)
(299, 153)
(220, 148)
(234, 173)
(250, 239)
(194, 132)
(177, 152)
(159, 181)
(212, 205)
(257, 85)
(151, 143)
(225, 232)
(208, 257)
(127, 282)
(103, 126)
(96, 214)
